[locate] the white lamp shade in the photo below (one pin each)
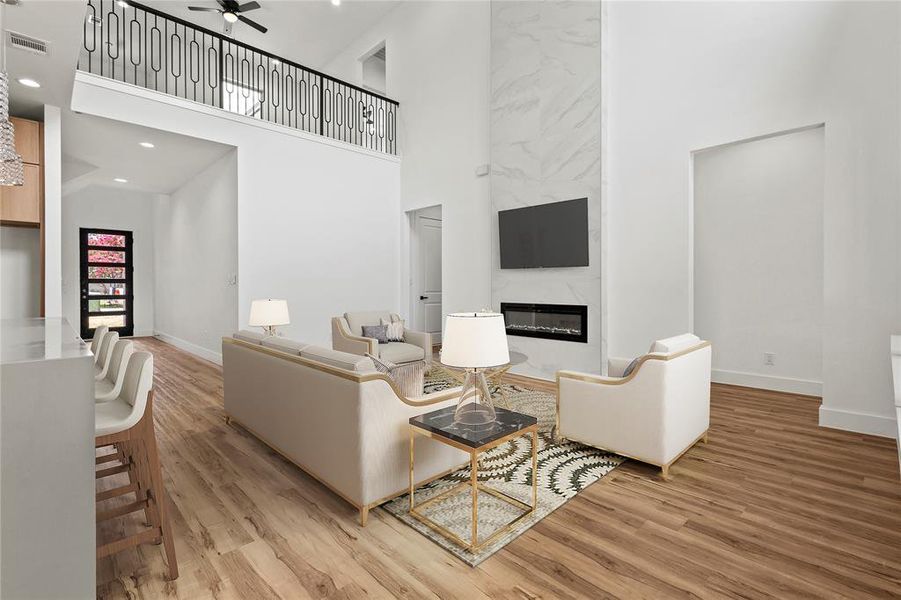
(269, 312)
(474, 341)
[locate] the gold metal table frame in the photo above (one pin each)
(474, 545)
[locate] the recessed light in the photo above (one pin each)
(336, 2)
(120, 180)
(122, 3)
(276, 61)
(146, 145)
(29, 83)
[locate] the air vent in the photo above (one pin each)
(27, 43)
(380, 53)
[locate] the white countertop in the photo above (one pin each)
(31, 340)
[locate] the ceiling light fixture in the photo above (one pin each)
(230, 16)
(122, 3)
(120, 180)
(336, 2)
(146, 145)
(29, 82)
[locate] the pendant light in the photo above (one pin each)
(12, 170)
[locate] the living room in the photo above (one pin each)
(458, 299)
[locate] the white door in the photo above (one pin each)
(427, 276)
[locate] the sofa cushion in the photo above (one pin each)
(336, 358)
(249, 336)
(400, 352)
(284, 345)
(675, 343)
(356, 320)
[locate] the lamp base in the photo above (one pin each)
(475, 406)
(269, 330)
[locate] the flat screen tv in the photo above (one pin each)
(543, 236)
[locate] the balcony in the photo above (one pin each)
(142, 46)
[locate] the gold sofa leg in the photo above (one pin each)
(364, 515)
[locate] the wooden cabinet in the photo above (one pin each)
(21, 205)
(28, 140)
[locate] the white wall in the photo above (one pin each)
(438, 69)
(318, 220)
(758, 260)
(545, 147)
(712, 73)
(20, 272)
(109, 208)
(196, 260)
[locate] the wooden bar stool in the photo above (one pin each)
(106, 352)
(126, 423)
(97, 340)
(110, 386)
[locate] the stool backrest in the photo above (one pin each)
(138, 381)
(106, 348)
(122, 351)
(97, 340)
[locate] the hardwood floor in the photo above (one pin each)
(773, 506)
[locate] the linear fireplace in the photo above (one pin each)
(568, 322)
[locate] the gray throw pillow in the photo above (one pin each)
(379, 332)
(631, 366)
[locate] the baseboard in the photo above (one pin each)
(804, 387)
(199, 351)
(858, 422)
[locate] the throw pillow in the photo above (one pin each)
(379, 332)
(395, 329)
(631, 367)
(382, 366)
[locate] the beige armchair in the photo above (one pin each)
(653, 414)
(347, 336)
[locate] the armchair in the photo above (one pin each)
(654, 414)
(347, 336)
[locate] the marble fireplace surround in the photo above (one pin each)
(545, 146)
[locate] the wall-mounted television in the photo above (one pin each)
(546, 235)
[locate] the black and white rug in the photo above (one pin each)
(564, 470)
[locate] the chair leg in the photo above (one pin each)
(664, 471)
(704, 439)
(364, 516)
(160, 499)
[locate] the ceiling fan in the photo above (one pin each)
(231, 12)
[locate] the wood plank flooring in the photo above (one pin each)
(773, 506)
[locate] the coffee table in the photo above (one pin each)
(474, 439)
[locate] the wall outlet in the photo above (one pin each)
(769, 359)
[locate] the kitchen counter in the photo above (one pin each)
(47, 511)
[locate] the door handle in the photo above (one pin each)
(423, 297)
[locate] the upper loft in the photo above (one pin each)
(143, 46)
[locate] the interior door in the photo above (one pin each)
(107, 287)
(428, 277)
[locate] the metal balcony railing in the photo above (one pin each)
(142, 46)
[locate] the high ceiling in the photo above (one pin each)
(58, 22)
(98, 150)
(309, 32)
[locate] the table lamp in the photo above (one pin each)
(474, 341)
(268, 313)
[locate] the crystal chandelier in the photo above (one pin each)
(12, 171)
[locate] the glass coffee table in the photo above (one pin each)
(474, 439)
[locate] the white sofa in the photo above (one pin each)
(347, 336)
(654, 414)
(333, 415)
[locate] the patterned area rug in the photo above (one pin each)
(564, 470)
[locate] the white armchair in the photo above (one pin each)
(654, 414)
(347, 336)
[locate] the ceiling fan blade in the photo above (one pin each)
(247, 6)
(203, 9)
(253, 24)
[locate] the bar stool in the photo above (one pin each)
(97, 340)
(109, 387)
(126, 423)
(106, 349)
